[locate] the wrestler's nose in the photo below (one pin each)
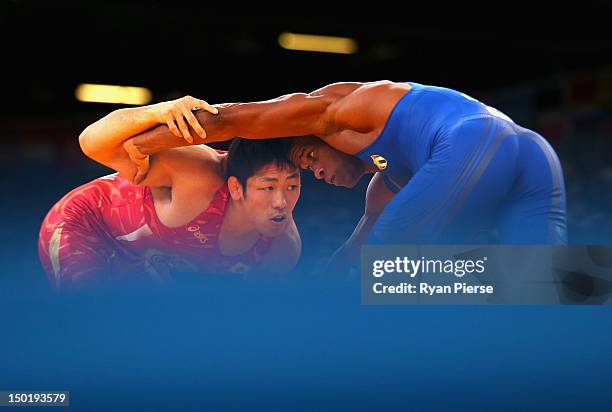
(279, 202)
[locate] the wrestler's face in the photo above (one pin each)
(271, 195)
(335, 167)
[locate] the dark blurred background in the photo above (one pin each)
(549, 68)
(311, 346)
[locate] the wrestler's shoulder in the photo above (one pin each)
(368, 106)
(384, 87)
(198, 159)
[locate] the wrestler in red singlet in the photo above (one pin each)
(221, 213)
(110, 226)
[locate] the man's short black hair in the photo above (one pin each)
(247, 156)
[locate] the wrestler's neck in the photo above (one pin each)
(237, 233)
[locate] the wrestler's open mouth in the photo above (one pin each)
(279, 219)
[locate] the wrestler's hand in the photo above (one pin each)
(178, 114)
(141, 161)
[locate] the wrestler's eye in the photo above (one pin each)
(292, 187)
(311, 155)
(267, 188)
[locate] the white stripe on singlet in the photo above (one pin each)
(54, 245)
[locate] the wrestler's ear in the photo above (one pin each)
(235, 188)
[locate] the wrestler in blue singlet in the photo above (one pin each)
(460, 168)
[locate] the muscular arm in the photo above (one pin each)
(378, 196)
(297, 114)
(105, 140)
(102, 141)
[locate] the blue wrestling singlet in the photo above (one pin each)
(460, 168)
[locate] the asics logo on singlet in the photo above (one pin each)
(195, 229)
(379, 161)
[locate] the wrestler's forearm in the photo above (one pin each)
(297, 114)
(347, 255)
(160, 138)
(360, 233)
(101, 139)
